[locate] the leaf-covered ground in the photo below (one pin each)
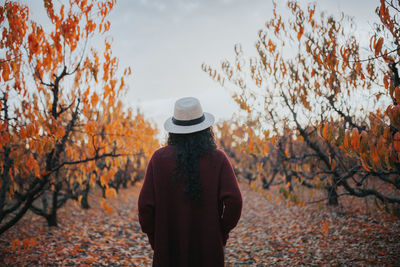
(269, 233)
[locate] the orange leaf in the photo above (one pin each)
(251, 145)
(374, 154)
(386, 83)
(346, 141)
(25, 243)
(16, 244)
(311, 14)
(326, 227)
(397, 94)
(266, 149)
(378, 46)
(90, 260)
(364, 164)
(107, 208)
(287, 152)
(6, 71)
(355, 139)
(30, 162)
(300, 33)
(110, 192)
(60, 131)
(95, 99)
(382, 252)
(358, 67)
(396, 142)
(333, 165)
(36, 169)
(325, 131)
(32, 242)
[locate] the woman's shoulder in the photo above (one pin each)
(218, 154)
(165, 151)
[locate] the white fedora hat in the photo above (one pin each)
(188, 117)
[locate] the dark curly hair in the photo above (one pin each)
(189, 147)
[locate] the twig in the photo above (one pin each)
(372, 58)
(10, 59)
(323, 199)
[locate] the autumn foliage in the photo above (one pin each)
(63, 126)
(321, 113)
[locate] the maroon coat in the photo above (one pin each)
(184, 232)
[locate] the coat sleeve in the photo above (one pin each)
(146, 204)
(230, 197)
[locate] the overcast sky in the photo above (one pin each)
(166, 41)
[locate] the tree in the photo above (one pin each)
(313, 89)
(61, 108)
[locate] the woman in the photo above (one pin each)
(190, 199)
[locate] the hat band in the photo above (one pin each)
(188, 122)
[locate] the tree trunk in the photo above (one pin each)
(52, 216)
(288, 179)
(52, 219)
(84, 201)
(103, 189)
(332, 196)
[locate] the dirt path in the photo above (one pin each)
(269, 233)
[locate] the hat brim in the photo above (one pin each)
(170, 127)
